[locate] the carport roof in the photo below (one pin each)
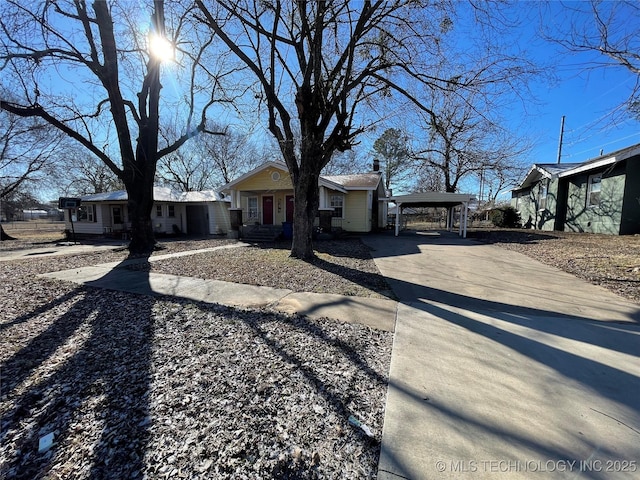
(432, 199)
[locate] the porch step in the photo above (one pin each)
(260, 233)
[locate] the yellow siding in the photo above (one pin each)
(355, 212)
(263, 181)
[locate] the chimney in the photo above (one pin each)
(376, 165)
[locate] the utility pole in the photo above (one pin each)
(560, 142)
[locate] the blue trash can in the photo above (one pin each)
(287, 230)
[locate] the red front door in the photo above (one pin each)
(267, 210)
(288, 200)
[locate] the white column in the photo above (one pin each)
(398, 206)
(461, 220)
(466, 218)
(323, 197)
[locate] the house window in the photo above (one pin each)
(593, 190)
(252, 207)
(117, 215)
(337, 202)
(172, 211)
(87, 213)
(542, 194)
(158, 210)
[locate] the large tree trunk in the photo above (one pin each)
(305, 209)
(4, 236)
(140, 206)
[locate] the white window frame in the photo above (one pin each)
(591, 191)
(336, 202)
(543, 192)
(90, 216)
(253, 212)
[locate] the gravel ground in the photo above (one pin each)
(141, 387)
(610, 261)
(342, 267)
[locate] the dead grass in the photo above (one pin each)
(32, 233)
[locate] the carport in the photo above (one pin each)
(436, 199)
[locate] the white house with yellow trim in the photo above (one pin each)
(265, 197)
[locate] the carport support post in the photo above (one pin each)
(398, 215)
(466, 218)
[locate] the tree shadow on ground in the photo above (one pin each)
(87, 376)
(51, 385)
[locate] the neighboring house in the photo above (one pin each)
(264, 196)
(199, 213)
(33, 214)
(601, 195)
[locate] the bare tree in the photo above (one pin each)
(463, 141)
(210, 161)
(26, 151)
(230, 155)
(186, 170)
(609, 29)
(98, 49)
(319, 63)
(85, 174)
(428, 179)
(346, 163)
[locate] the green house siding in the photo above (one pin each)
(603, 218)
(601, 195)
(547, 215)
(535, 210)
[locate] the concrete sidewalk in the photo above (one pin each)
(374, 312)
(58, 249)
(503, 367)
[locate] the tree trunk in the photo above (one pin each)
(140, 205)
(305, 208)
(4, 236)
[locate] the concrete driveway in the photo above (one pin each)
(503, 367)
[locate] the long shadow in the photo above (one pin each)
(608, 381)
(338, 399)
(109, 371)
(543, 451)
(623, 338)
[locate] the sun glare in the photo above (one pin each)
(160, 48)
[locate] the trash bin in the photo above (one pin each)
(287, 230)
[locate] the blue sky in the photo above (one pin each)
(586, 92)
(587, 100)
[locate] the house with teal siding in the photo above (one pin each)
(601, 195)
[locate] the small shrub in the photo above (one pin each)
(506, 217)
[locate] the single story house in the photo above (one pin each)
(198, 213)
(601, 195)
(32, 213)
(265, 197)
